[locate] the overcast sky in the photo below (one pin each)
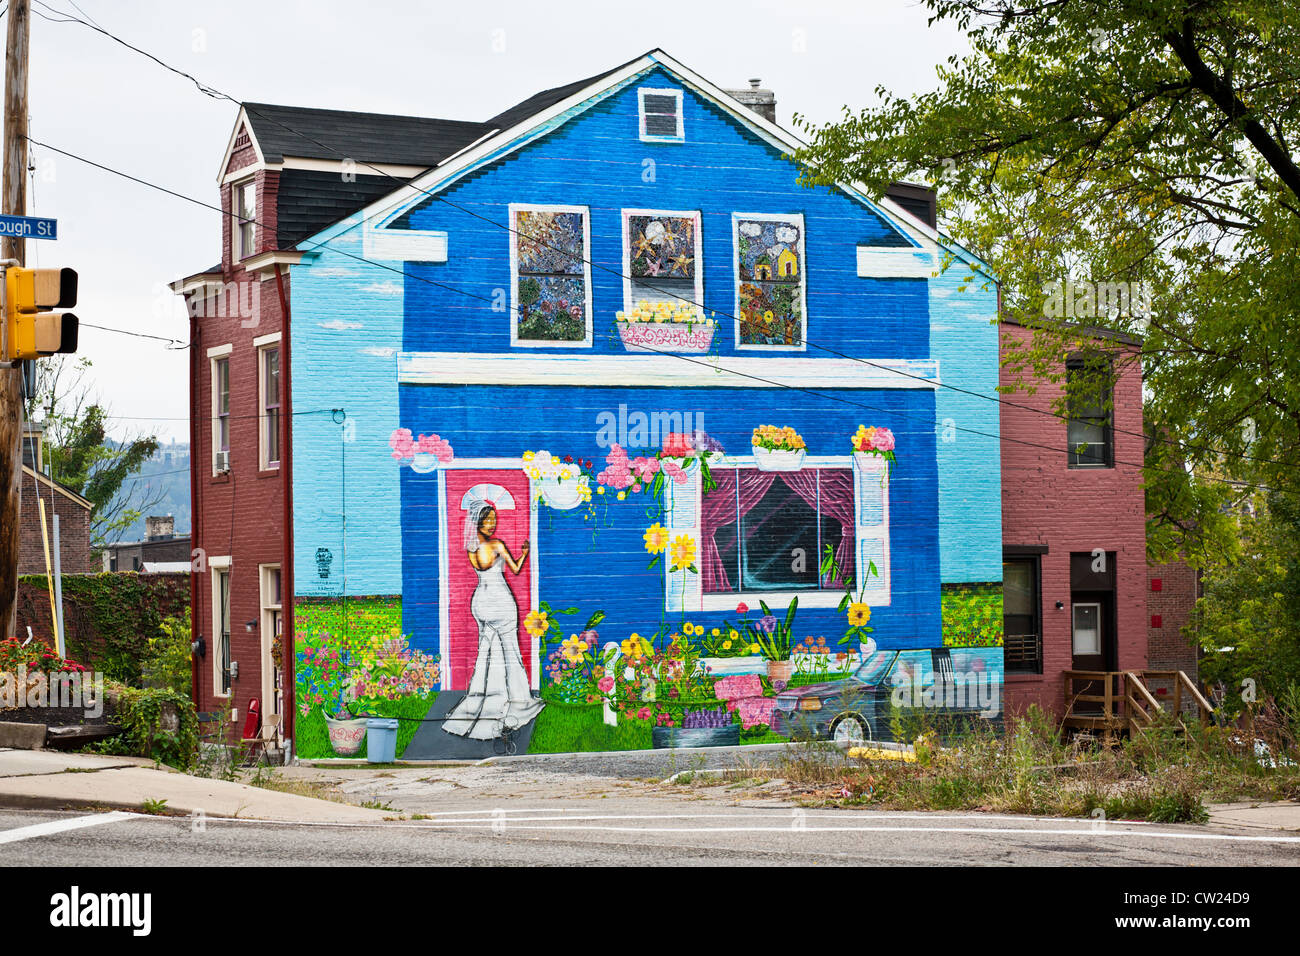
(462, 60)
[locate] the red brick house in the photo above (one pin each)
(1075, 573)
(73, 511)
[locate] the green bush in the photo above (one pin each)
(142, 715)
(168, 656)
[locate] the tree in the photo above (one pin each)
(1139, 147)
(80, 453)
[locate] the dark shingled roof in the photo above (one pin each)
(548, 98)
(365, 137)
(310, 200)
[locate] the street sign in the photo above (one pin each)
(28, 227)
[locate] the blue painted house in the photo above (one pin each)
(685, 388)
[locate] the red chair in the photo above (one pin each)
(255, 738)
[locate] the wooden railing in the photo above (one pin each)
(1115, 701)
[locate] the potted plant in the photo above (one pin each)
(873, 449)
(423, 454)
(778, 449)
(661, 327)
(562, 484)
(347, 732)
(775, 640)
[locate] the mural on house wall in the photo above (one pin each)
(540, 547)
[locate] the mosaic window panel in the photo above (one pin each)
(663, 258)
(552, 278)
(770, 275)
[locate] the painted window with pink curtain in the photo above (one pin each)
(765, 531)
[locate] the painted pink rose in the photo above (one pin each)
(606, 684)
(677, 445)
(674, 471)
(884, 439)
(742, 608)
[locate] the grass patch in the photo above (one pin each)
(1165, 774)
(574, 728)
(312, 734)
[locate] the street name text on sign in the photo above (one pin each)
(28, 227)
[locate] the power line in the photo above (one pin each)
(219, 94)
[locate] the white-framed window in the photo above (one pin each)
(660, 115)
(219, 364)
(550, 276)
(243, 201)
(268, 376)
(761, 535)
(661, 258)
(221, 655)
(272, 635)
(770, 286)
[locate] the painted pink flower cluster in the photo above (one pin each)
(622, 472)
(678, 445)
(873, 439)
(406, 446)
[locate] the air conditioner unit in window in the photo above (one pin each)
(223, 461)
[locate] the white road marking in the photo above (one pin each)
(60, 826)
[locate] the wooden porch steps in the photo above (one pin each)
(1119, 702)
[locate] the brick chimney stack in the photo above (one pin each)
(159, 527)
(761, 101)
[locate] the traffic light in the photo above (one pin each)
(32, 333)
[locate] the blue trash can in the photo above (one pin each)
(381, 739)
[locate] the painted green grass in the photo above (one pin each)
(361, 615)
(313, 735)
(574, 728)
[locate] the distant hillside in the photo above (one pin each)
(166, 473)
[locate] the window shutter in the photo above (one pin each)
(682, 516)
(871, 493)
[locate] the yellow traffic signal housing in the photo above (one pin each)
(32, 333)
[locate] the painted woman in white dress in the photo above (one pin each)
(498, 698)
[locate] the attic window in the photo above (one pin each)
(661, 116)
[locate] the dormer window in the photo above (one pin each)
(661, 116)
(245, 203)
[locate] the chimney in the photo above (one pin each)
(761, 101)
(159, 527)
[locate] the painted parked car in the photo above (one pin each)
(857, 707)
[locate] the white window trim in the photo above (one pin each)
(216, 567)
(264, 462)
(692, 214)
(879, 595)
(641, 115)
(269, 339)
(268, 636)
(220, 351)
(237, 251)
(216, 424)
(736, 217)
(515, 340)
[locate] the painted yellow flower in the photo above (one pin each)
(715, 632)
(859, 614)
(528, 456)
(754, 649)
(726, 645)
(536, 623)
(656, 538)
(634, 646)
(573, 648)
(683, 551)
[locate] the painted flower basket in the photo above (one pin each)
(346, 736)
(667, 737)
(423, 462)
(778, 459)
(689, 337)
(561, 494)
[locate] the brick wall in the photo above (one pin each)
(240, 514)
(74, 532)
(1169, 609)
(1044, 502)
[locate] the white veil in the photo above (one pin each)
(473, 515)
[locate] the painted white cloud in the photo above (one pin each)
(786, 234)
(338, 325)
(378, 352)
(750, 228)
(383, 288)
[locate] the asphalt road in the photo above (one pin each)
(634, 831)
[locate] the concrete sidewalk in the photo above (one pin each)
(46, 779)
(1279, 815)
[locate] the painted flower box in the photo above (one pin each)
(667, 737)
(666, 336)
(778, 459)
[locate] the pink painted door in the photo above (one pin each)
(512, 528)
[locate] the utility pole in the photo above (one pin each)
(11, 389)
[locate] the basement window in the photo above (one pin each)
(661, 116)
